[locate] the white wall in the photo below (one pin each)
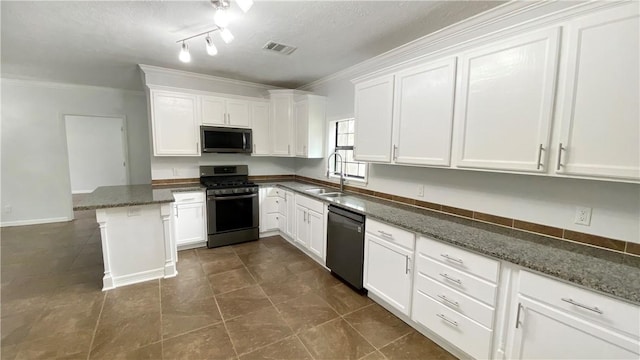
(187, 167)
(538, 199)
(35, 177)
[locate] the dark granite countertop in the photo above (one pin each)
(605, 271)
(124, 195)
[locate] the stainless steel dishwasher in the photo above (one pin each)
(345, 245)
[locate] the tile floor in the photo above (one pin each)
(258, 300)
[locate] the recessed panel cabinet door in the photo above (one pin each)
(238, 113)
(301, 114)
(282, 127)
(175, 124)
(423, 114)
(544, 332)
(317, 236)
(373, 114)
(213, 111)
(505, 103)
(189, 223)
(601, 110)
(260, 126)
(302, 228)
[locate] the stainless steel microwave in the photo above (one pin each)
(225, 140)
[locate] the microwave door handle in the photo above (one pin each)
(244, 141)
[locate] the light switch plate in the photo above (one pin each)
(421, 190)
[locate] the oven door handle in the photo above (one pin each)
(216, 198)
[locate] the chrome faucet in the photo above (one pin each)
(341, 172)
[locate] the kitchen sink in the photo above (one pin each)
(332, 194)
(317, 191)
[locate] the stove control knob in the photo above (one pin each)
(235, 191)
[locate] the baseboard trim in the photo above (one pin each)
(193, 245)
(34, 221)
(142, 276)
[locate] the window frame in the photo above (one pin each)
(332, 146)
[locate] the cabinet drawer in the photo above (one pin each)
(469, 336)
(275, 192)
(456, 301)
(270, 205)
(310, 203)
(586, 304)
(391, 233)
(189, 197)
(457, 258)
(458, 280)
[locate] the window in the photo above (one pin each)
(342, 142)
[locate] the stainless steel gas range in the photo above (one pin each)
(232, 205)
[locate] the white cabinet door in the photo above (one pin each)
(301, 112)
(189, 223)
(213, 111)
(543, 332)
(291, 212)
(423, 113)
(282, 126)
(175, 124)
(317, 237)
(600, 133)
(387, 272)
(238, 113)
(260, 127)
(302, 227)
(373, 119)
(505, 103)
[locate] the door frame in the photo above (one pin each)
(125, 148)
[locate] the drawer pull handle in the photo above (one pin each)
(385, 234)
(594, 308)
(448, 301)
(441, 316)
(446, 276)
(449, 257)
(189, 199)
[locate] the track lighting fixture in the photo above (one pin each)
(221, 19)
(211, 47)
(184, 53)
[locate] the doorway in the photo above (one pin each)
(96, 146)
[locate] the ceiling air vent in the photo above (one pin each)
(279, 48)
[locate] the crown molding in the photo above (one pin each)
(61, 85)
(489, 24)
(149, 69)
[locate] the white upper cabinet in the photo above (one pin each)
(505, 102)
(309, 111)
(175, 124)
(282, 124)
(423, 114)
(217, 111)
(260, 127)
(373, 114)
(600, 118)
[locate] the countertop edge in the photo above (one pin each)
(555, 273)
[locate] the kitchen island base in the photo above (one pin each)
(137, 245)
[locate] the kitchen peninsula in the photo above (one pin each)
(136, 233)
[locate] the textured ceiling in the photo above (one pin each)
(100, 42)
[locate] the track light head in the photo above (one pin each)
(184, 56)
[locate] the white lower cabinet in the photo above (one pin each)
(387, 264)
(190, 220)
(455, 295)
(310, 230)
(269, 210)
(555, 320)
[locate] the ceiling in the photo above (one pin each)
(101, 42)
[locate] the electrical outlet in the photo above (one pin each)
(175, 172)
(583, 215)
(421, 190)
(7, 209)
